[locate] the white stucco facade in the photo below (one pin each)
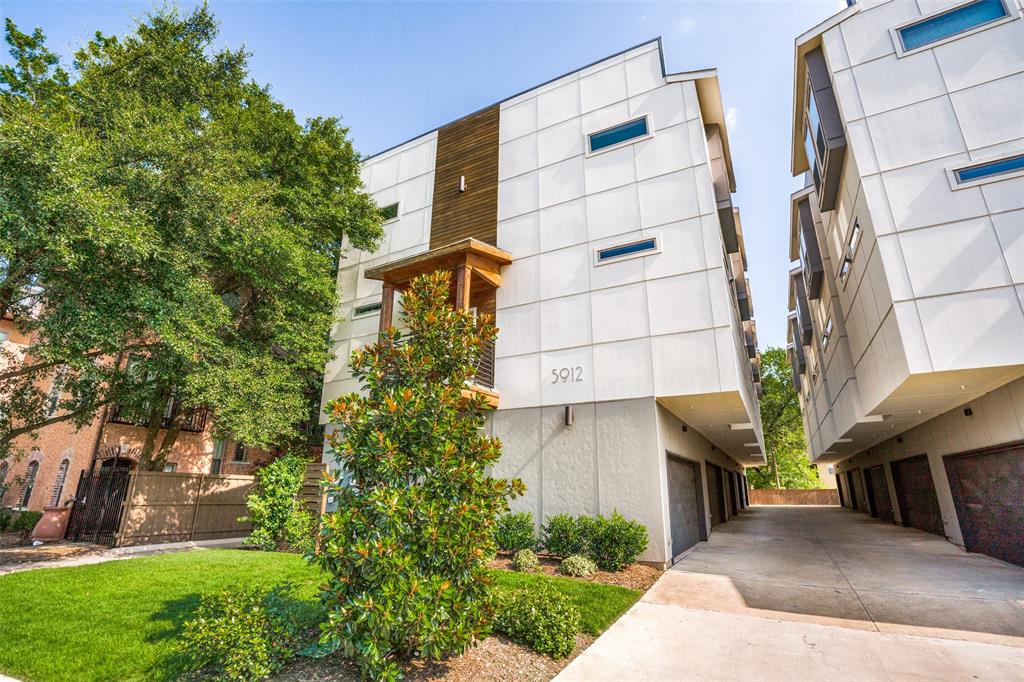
(907, 302)
(631, 344)
(931, 314)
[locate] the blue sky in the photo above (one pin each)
(395, 70)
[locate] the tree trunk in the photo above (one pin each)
(775, 467)
(170, 436)
(156, 416)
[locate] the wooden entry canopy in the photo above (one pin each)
(472, 261)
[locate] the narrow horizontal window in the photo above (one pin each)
(827, 335)
(618, 134)
(369, 308)
(990, 169)
(642, 247)
(948, 24)
(389, 212)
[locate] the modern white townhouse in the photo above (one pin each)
(907, 304)
(592, 215)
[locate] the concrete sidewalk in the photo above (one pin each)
(121, 553)
(658, 642)
(819, 593)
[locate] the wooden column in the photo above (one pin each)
(462, 278)
(387, 306)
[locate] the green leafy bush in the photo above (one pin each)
(613, 543)
(25, 521)
(6, 517)
(525, 561)
(242, 633)
(279, 521)
(617, 542)
(577, 566)
(563, 537)
(405, 556)
(515, 532)
(541, 618)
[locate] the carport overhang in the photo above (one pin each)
(919, 398)
(723, 419)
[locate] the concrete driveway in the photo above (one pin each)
(819, 593)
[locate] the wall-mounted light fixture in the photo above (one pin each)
(570, 415)
(462, 183)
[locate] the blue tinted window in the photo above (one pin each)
(809, 149)
(991, 168)
(626, 131)
(950, 23)
(812, 110)
(627, 249)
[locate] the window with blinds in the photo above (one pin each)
(951, 23)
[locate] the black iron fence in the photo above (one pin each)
(98, 504)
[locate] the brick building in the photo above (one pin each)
(47, 473)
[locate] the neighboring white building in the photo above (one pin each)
(907, 324)
(592, 215)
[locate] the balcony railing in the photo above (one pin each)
(485, 368)
(195, 418)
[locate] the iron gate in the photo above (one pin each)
(98, 504)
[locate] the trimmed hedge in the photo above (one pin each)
(617, 542)
(515, 532)
(613, 543)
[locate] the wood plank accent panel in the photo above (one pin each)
(467, 147)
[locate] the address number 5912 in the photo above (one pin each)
(565, 375)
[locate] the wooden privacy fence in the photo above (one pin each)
(171, 507)
(821, 496)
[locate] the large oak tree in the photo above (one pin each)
(168, 232)
(788, 466)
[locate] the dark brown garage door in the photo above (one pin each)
(730, 493)
(715, 492)
(858, 488)
(850, 489)
(685, 504)
(878, 493)
(986, 489)
(915, 494)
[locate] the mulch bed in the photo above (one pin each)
(495, 659)
(635, 577)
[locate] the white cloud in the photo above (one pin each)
(731, 116)
(686, 24)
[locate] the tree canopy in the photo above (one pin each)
(788, 466)
(168, 232)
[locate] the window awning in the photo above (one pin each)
(481, 259)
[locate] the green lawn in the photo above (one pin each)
(119, 620)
